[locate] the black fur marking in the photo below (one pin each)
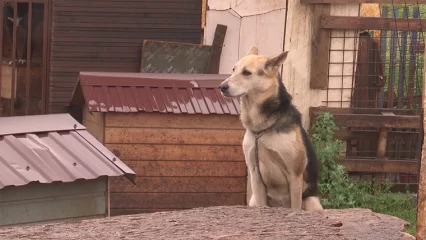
(282, 109)
(312, 167)
(289, 117)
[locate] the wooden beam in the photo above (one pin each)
(218, 40)
(421, 199)
(379, 121)
(362, 1)
(315, 110)
(381, 150)
(367, 134)
(203, 13)
(320, 49)
(373, 23)
(379, 166)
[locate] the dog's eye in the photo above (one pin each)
(233, 69)
(246, 73)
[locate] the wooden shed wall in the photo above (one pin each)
(107, 35)
(41, 203)
(181, 161)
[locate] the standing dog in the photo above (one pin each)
(281, 160)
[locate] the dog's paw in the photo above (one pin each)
(256, 203)
(312, 204)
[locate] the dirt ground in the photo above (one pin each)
(224, 223)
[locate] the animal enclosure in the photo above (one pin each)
(178, 133)
(374, 86)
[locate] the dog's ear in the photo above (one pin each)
(274, 63)
(253, 50)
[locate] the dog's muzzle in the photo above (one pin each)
(224, 87)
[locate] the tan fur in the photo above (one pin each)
(282, 156)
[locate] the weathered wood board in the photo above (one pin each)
(174, 57)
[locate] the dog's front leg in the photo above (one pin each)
(258, 191)
(296, 185)
(259, 196)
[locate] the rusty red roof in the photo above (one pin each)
(53, 148)
(153, 92)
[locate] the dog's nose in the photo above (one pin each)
(223, 87)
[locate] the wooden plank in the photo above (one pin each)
(371, 120)
(218, 40)
(381, 145)
(412, 64)
(174, 57)
(177, 152)
(203, 13)
(179, 184)
(175, 200)
(383, 44)
(174, 136)
(316, 110)
(392, 65)
(124, 20)
(136, 5)
(120, 211)
(421, 199)
(370, 134)
(362, 1)
(402, 57)
(379, 166)
(187, 168)
(178, 121)
(380, 154)
(320, 49)
(372, 23)
(133, 10)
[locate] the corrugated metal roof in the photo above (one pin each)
(58, 153)
(153, 92)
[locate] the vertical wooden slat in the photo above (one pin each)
(44, 82)
(218, 40)
(412, 64)
(12, 100)
(203, 13)
(320, 48)
(1, 54)
(421, 193)
(383, 45)
(403, 57)
(392, 64)
(28, 71)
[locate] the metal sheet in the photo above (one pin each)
(59, 155)
(153, 92)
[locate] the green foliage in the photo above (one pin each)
(339, 191)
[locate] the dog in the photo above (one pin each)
(281, 161)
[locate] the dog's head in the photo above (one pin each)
(252, 74)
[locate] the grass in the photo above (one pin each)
(398, 205)
(338, 191)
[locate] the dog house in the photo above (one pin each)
(182, 138)
(52, 169)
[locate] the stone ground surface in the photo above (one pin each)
(224, 223)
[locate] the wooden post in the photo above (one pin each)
(381, 150)
(421, 192)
